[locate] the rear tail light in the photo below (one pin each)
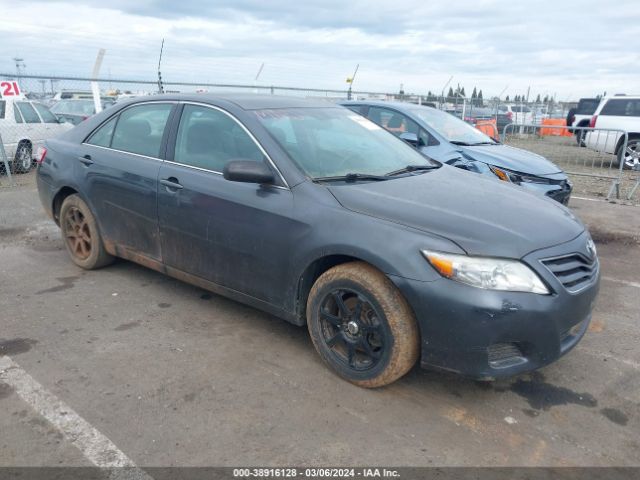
(592, 122)
(40, 155)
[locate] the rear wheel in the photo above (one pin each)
(23, 159)
(361, 325)
(81, 235)
(630, 157)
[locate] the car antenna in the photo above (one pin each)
(160, 87)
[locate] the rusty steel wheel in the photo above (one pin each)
(77, 233)
(81, 235)
(361, 325)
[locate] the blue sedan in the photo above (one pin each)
(445, 138)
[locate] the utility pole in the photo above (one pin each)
(19, 66)
(350, 81)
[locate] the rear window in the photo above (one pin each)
(622, 107)
(28, 112)
(3, 106)
(587, 106)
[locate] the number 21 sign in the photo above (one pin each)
(9, 89)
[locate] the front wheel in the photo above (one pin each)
(81, 235)
(362, 326)
(630, 157)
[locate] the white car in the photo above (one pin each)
(24, 126)
(619, 113)
(520, 114)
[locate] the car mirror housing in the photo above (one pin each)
(248, 171)
(410, 138)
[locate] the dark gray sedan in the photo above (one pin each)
(319, 216)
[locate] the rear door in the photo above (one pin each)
(118, 165)
(230, 233)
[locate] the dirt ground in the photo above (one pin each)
(173, 375)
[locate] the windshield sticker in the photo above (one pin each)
(368, 124)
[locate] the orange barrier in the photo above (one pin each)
(488, 127)
(557, 132)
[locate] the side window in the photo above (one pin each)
(392, 121)
(102, 136)
(16, 114)
(3, 106)
(208, 138)
(139, 129)
(427, 139)
(614, 107)
(28, 112)
(45, 113)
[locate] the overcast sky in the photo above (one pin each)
(571, 48)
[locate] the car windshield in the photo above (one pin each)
(334, 141)
(79, 107)
(450, 127)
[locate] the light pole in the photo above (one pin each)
(443, 89)
(350, 81)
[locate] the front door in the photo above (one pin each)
(230, 233)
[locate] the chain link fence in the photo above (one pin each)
(593, 157)
(48, 105)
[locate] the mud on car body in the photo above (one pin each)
(321, 217)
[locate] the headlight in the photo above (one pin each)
(489, 273)
(514, 177)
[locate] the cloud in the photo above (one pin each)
(571, 48)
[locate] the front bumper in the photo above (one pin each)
(559, 190)
(490, 334)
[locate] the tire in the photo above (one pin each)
(570, 118)
(355, 308)
(630, 156)
(81, 234)
(23, 159)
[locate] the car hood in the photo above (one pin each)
(483, 216)
(511, 158)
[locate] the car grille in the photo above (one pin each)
(574, 271)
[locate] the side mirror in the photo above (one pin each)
(248, 171)
(410, 138)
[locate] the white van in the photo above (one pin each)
(24, 126)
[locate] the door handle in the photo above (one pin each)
(86, 160)
(171, 183)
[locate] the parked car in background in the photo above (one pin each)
(520, 114)
(75, 111)
(321, 217)
(448, 139)
(619, 113)
(580, 116)
(24, 126)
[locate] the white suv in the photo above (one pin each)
(620, 113)
(24, 126)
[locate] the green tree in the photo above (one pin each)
(480, 101)
(450, 95)
(506, 98)
(538, 99)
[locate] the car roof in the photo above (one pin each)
(245, 101)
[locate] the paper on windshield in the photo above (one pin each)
(368, 124)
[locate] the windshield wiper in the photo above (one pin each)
(462, 144)
(412, 168)
(351, 177)
(467, 144)
(484, 143)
